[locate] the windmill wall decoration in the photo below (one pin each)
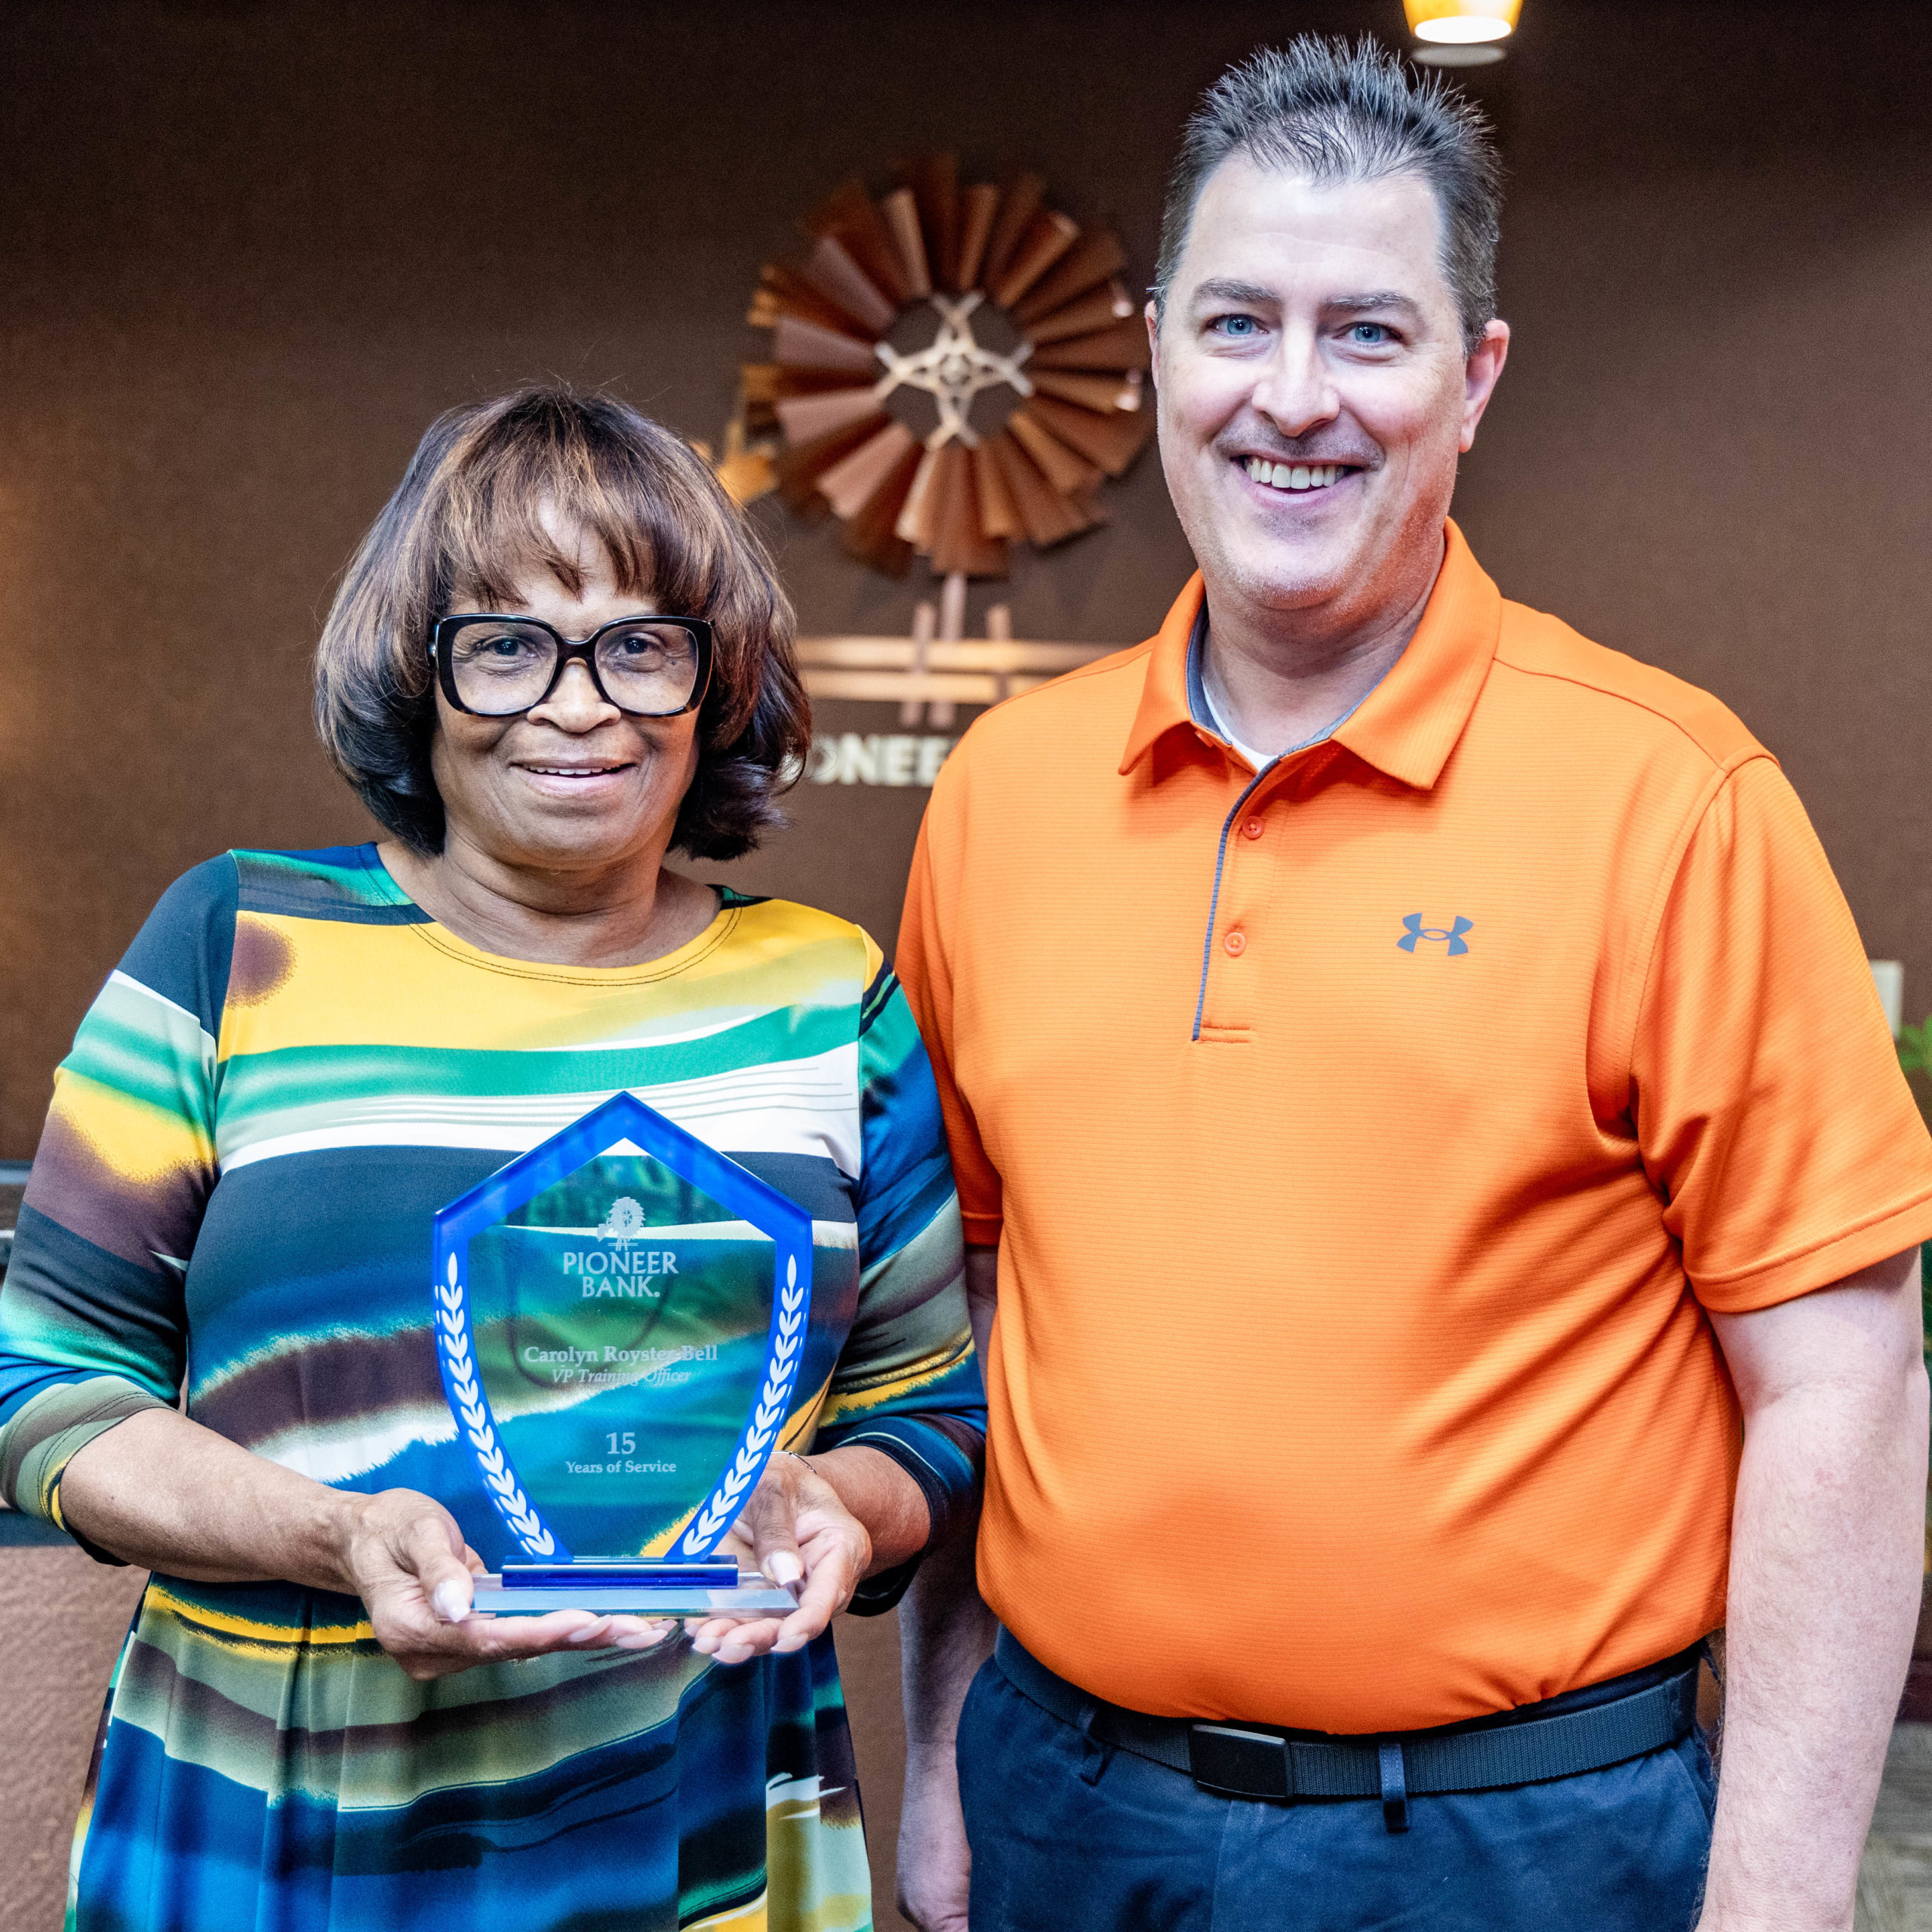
(1033, 362)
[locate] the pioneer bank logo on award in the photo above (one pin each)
(625, 1219)
(621, 1315)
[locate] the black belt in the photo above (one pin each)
(1264, 1762)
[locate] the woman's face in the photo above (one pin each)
(573, 785)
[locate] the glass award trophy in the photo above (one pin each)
(620, 1314)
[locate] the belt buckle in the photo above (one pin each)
(1240, 1763)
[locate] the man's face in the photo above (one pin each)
(1313, 390)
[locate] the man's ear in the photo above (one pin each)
(1480, 374)
(1152, 312)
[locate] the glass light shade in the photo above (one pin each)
(1461, 20)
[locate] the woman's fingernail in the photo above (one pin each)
(588, 1634)
(783, 1568)
(450, 1600)
(645, 1639)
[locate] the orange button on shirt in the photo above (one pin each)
(1352, 1369)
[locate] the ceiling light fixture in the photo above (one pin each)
(1462, 22)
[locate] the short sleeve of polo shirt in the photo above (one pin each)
(923, 965)
(1769, 1107)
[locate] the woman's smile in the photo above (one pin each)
(577, 778)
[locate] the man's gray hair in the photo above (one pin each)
(1332, 112)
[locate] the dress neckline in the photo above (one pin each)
(668, 965)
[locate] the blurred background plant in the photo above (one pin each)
(1915, 1057)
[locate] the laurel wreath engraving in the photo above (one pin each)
(721, 1509)
(453, 1341)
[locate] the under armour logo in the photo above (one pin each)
(1414, 929)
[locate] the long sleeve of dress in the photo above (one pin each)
(907, 1382)
(92, 1329)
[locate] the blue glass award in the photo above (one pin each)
(620, 1314)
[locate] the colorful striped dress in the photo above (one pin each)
(292, 1069)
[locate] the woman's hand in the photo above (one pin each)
(406, 1559)
(796, 1529)
(164, 1493)
(167, 1493)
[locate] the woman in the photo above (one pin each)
(303, 1057)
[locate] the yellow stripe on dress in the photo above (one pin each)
(739, 1918)
(254, 1633)
(815, 1866)
(140, 1143)
(860, 1398)
(301, 980)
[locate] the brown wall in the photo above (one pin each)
(247, 250)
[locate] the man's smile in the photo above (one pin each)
(1292, 478)
(1296, 476)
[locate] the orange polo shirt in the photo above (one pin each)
(1365, 1143)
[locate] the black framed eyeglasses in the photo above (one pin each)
(497, 665)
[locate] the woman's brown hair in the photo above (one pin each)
(468, 520)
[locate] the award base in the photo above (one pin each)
(634, 1588)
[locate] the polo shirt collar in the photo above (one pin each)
(1407, 727)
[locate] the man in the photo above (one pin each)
(1454, 1201)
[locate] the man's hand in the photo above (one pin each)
(409, 1564)
(935, 1864)
(796, 1530)
(945, 1633)
(1825, 1581)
